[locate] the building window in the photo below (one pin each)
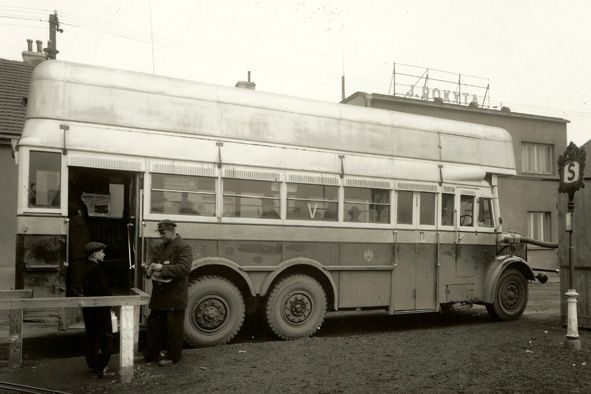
(367, 205)
(540, 226)
(251, 199)
(44, 179)
(537, 158)
(312, 202)
(183, 195)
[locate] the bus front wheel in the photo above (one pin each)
(510, 296)
(296, 307)
(215, 311)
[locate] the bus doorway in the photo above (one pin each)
(103, 206)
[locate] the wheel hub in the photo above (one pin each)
(298, 308)
(511, 295)
(211, 313)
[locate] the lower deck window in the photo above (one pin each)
(251, 199)
(44, 179)
(183, 195)
(367, 205)
(312, 202)
(404, 207)
(485, 218)
(466, 210)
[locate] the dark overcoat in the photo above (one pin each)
(176, 258)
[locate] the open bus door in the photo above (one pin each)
(105, 206)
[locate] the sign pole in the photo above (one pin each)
(571, 167)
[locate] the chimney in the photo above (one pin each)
(34, 58)
(246, 84)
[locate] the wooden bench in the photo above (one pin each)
(16, 301)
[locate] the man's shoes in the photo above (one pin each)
(98, 374)
(166, 362)
(144, 360)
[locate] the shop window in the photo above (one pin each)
(183, 195)
(251, 199)
(44, 179)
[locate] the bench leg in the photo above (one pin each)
(15, 334)
(126, 342)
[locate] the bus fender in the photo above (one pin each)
(220, 261)
(500, 264)
(301, 261)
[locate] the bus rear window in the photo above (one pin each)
(44, 179)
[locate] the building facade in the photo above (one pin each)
(15, 77)
(529, 201)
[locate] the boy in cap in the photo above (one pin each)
(169, 270)
(97, 320)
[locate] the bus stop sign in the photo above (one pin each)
(570, 167)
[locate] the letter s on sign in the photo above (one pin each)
(571, 172)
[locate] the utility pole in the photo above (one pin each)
(54, 27)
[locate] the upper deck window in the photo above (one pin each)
(44, 179)
(367, 205)
(183, 195)
(251, 199)
(312, 202)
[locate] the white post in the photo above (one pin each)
(572, 327)
(126, 343)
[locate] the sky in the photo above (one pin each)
(532, 54)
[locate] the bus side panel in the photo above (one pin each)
(426, 268)
(405, 277)
(252, 253)
(363, 288)
(447, 270)
(39, 264)
(326, 253)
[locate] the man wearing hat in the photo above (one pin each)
(169, 270)
(97, 320)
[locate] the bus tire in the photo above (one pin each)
(215, 311)
(296, 307)
(510, 296)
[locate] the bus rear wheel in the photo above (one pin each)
(510, 296)
(296, 307)
(215, 312)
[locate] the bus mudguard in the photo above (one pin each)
(220, 261)
(500, 264)
(305, 262)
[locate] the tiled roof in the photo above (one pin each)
(15, 77)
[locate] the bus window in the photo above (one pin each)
(466, 210)
(447, 209)
(367, 205)
(485, 218)
(404, 208)
(183, 195)
(44, 179)
(312, 202)
(427, 208)
(251, 199)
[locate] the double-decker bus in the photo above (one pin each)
(293, 207)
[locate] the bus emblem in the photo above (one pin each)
(368, 255)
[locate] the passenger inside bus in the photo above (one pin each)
(354, 214)
(268, 209)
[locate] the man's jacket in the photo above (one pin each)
(176, 258)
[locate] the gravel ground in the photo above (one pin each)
(463, 351)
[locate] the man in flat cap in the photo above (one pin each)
(169, 270)
(97, 320)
